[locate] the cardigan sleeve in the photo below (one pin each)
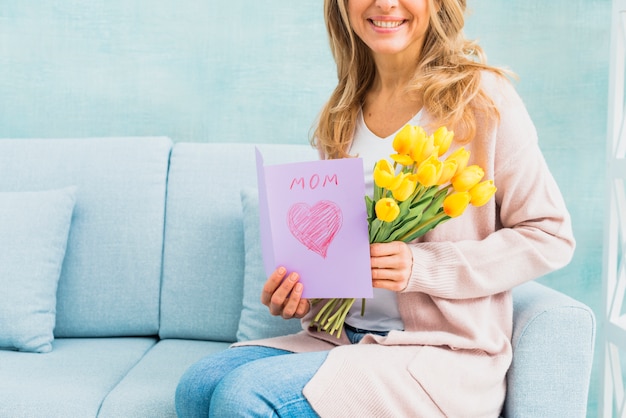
(522, 234)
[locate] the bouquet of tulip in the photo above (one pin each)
(413, 195)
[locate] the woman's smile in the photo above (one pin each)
(390, 28)
(386, 23)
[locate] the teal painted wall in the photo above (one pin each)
(243, 71)
(193, 70)
(560, 51)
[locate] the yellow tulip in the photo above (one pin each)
(467, 178)
(455, 203)
(442, 139)
(405, 160)
(405, 139)
(397, 180)
(383, 173)
(387, 210)
(429, 171)
(424, 149)
(406, 188)
(448, 171)
(423, 146)
(482, 192)
(461, 156)
(385, 176)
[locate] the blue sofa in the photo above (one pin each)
(162, 267)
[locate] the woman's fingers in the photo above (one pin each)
(303, 308)
(293, 302)
(391, 265)
(283, 295)
(272, 283)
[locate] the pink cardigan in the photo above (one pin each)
(452, 357)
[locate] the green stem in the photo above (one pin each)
(374, 228)
(420, 193)
(325, 311)
(374, 237)
(434, 220)
(339, 321)
(338, 312)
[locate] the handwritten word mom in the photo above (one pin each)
(314, 182)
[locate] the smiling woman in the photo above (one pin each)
(390, 27)
(435, 340)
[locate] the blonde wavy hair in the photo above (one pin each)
(447, 76)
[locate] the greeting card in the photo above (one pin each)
(313, 221)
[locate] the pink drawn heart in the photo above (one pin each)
(315, 226)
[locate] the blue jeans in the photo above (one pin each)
(355, 335)
(249, 381)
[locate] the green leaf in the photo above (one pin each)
(426, 194)
(436, 204)
(369, 206)
(374, 227)
(427, 227)
(405, 207)
(384, 232)
(376, 194)
(419, 208)
(405, 227)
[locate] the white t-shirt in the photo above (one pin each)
(381, 312)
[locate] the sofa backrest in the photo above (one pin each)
(204, 247)
(110, 280)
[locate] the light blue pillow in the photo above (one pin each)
(256, 322)
(34, 228)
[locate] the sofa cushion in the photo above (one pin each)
(554, 335)
(203, 259)
(33, 236)
(162, 366)
(110, 282)
(256, 322)
(71, 381)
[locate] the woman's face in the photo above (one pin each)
(390, 27)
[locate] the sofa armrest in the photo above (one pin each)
(553, 343)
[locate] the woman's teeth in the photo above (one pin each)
(387, 23)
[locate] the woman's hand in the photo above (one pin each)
(391, 265)
(284, 295)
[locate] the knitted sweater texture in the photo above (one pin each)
(452, 357)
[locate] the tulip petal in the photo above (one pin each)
(383, 174)
(387, 210)
(461, 156)
(482, 192)
(405, 189)
(443, 139)
(455, 203)
(468, 178)
(429, 171)
(405, 139)
(405, 160)
(447, 171)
